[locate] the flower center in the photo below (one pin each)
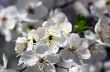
(72, 47)
(41, 60)
(50, 37)
(30, 10)
(93, 49)
(3, 18)
(108, 3)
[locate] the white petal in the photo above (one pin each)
(48, 23)
(80, 8)
(32, 20)
(61, 40)
(59, 18)
(34, 68)
(41, 11)
(30, 45)
(11, 24)
(74, 39)
(74, 35)
(46, 68)
(67, 55)
(7, 34)
(84, 53)
(62, 63)
(11, 11)
(40, 32)
(21, 44)
(89, 35)
(100, 3)
(41, 49)
(99, 53)
(32, 35)
(94, 11)
(49, 68)
(97, 26)
(5, 61)
(20, 3)
(53, 49)
(85, 43)
(66, 27)
(53, 58)
(29, 58)
(20, 61)
(53, 13)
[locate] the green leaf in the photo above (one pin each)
(80, 24)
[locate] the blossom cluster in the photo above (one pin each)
(18, 18)
(46, 40)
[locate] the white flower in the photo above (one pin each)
(100, 7)
(40, 62)
(94, 37)
(96, 46)
(8, 21)
(26, 42)
(61, 21)
(98, 52)
(81, 8)
(76, 49)
(102, 28)
(21, 44)
(50, 35)
(31, 10)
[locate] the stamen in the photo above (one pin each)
(72, 47)
(108, 3)
(50, 37)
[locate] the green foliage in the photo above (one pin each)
(80, 24)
